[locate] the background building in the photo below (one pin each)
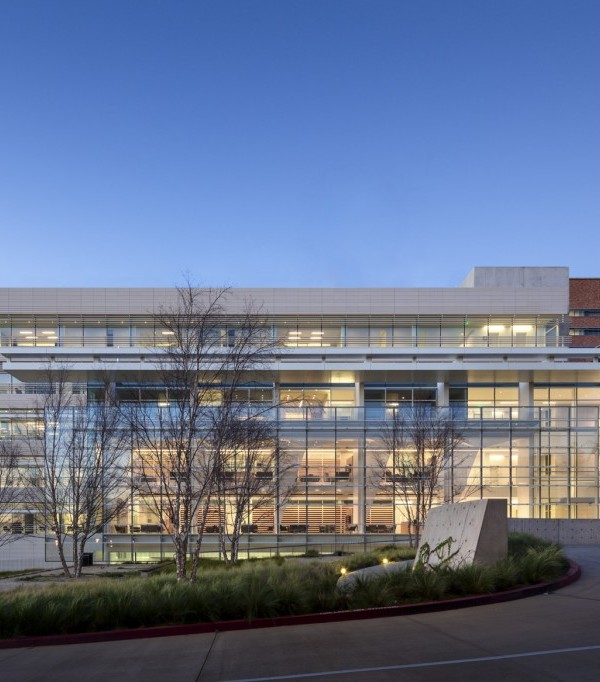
(584, 314)
(500, 353)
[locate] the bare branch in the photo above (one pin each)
(419, 443)
(79, 455)
(181, 448)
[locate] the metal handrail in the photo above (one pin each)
(348, 341)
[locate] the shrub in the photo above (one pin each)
(507, 574)
(520, 543)
(356, 561)
(473, 579)
(255, 596)
(538, 566)
(395, 553)
(399, 583)
(370, 594)
(427, 585)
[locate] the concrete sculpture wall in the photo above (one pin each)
(464, 533)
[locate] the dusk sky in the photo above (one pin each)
(296, 142)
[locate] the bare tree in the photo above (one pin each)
(173, 470)
(11, 492)
(419, 444)
(80, 459)
(178, 447)
(249, 478)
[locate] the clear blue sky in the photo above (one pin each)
(296, 142)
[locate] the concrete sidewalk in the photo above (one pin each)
(43, 577)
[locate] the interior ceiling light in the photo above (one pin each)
(522, 327)
(495, 327)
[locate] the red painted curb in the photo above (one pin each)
(571, 576)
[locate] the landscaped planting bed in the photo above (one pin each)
(261, 589)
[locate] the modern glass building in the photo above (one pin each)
(495, 353)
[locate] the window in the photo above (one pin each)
(587, 312)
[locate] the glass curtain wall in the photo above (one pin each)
(389, 331)
(336, 476)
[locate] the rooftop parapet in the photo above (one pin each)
(486, 291)
(516, 277)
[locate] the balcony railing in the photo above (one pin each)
(582, 415)
(39, 388)
(340, 341)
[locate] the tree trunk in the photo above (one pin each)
(195, 563)
(235, 543)
(181, 559)
(76, 553)
(61, 554)
(195, 560)
(78, 559)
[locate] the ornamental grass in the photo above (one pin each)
(260, 590)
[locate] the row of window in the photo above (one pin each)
(585, 312)
(318, 332)
(323, 395)
(585, 332)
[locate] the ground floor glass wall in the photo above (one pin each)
(337, 481)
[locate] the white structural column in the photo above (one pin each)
(359, 493)
(443, 400)
(526, 403)
(277, 504)
(525, 394)
(359, 471)
(443, 394)
(358, 394)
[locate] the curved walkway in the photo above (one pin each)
(549, 637)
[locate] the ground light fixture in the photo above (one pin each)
(343, 571)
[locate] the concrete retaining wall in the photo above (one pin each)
(563, 531)
(26, 552)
